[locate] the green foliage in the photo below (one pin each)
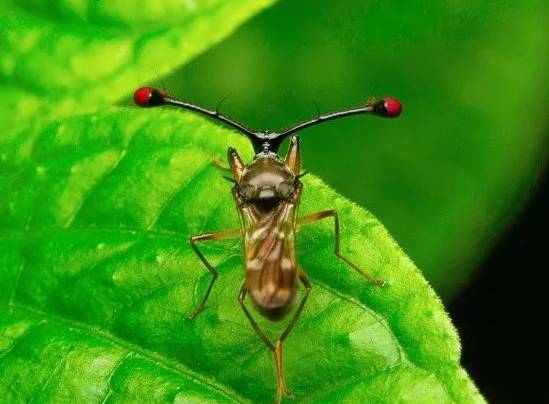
(62, 57)
(456, 166)
(97, 276)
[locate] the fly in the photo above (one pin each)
(267, 193)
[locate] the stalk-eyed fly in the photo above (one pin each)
(267, 193)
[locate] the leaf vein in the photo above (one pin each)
(112, 374)
(365, 308)
(80, 274)
(95, 187)
(178, 191)
(15, 288)
(54, 373)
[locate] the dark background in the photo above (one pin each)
(502, 314)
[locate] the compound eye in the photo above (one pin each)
(247, 191)
(285, 189)
(388, 107)
(148, 97)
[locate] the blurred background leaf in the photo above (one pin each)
(64, 57)
(456, 166)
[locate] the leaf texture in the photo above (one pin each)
(97, 276)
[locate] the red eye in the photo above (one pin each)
(148, 97)
(392, 107)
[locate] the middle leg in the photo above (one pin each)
(201, 238)
(332, 213)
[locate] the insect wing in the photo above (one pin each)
(270, 257)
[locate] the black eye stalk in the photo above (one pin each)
(386, 107)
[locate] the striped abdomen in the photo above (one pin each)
(271, 270)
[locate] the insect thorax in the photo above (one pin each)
(266, 181)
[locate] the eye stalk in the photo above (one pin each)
(387, 107)
(147, 97)
(267, 141)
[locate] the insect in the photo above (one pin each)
(267, 193)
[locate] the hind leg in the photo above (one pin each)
(276, 348)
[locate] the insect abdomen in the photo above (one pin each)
(273, 301)
(271, 271)
(273, 290)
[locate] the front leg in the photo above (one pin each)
(220, 166)
(219, 235)
(332, 213)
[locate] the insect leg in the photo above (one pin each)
(332, 213)
(256, 328)
(205, 237)
(219, 165)
(266, 341)
(297, 313)
(281, 381)
(276, 348)
(293, 158)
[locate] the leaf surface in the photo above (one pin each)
(97, 276)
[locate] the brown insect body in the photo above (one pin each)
(267, 196)
(267, 193)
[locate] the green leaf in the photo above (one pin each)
(97, 276)
(451, 171)
(64, 57)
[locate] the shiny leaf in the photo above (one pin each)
(97, 276)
